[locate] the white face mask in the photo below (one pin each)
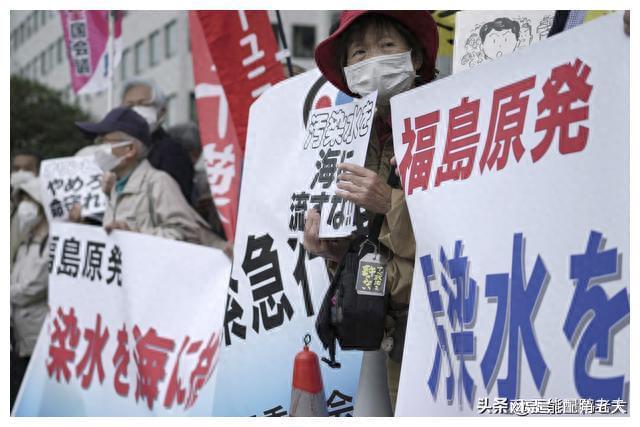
(150, 114)
(388, 74)
(28, 216)
(20, 177)
(105, 158)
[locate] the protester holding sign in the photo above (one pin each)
(388, 52)
(143, 198)
(29, 278)
(24, 166)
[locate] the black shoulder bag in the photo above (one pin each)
(354, 319)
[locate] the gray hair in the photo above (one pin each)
(158, 98)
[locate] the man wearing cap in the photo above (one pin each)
(29, 278)
(143, 199)
(389, 52)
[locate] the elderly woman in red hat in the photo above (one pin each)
(391, 52)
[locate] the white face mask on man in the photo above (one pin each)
(19, 177)
(105, 158)
(28, 216)
(150, 114)
(388, 74)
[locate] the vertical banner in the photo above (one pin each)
(516, 176)
(245, 53)
(276, 287)
(67, 181)
(131, 331)
(220, 148)
(86, 35)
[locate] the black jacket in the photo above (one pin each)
(168, 155)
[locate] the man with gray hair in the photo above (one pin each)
(143, 199)
(147, 99)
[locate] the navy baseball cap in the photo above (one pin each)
(121, 119)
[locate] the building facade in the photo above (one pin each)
(155, 45)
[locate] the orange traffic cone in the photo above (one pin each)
(307, 391)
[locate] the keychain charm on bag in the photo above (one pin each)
(372, 275)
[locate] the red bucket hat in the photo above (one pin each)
(419, 22)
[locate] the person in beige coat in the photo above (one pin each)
(389, 52)
(143, 199)
(29, 279)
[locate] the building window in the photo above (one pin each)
(154, 48)
(27, 28)
(304, 41)
(124, 64)
(21, 33)
(60, 49)
(43, 62)
(276, 34)
(193, 107)
(170, 39)
(36, 20)
(170, 118)
(43, 17)
(139, 56)
(34, 68)
(51, 56)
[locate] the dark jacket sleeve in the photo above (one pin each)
(168, 155)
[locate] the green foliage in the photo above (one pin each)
(41, 122)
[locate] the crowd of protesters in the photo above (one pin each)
(156, 184)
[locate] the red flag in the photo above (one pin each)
(244, 49)
(222, 153)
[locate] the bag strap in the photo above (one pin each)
(376, 224)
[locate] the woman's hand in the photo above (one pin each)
(331, 249)
(364, 188)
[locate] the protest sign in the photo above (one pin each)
(484, 35)
(71, 180)
(337, 135)
(276, 287)
(86, 36)
(131, 329)
(516, 176)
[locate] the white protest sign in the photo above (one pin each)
(277, 288)
(516, 176)
(484, 35)
(338, 134)
(133, 329)
(71, 180)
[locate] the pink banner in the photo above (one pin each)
(86, 35)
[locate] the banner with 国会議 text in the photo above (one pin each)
(277, 287)
(516, 175)
(132, 330)
(86, 36)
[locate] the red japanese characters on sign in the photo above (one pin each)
(565, 101)
(149, 350)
